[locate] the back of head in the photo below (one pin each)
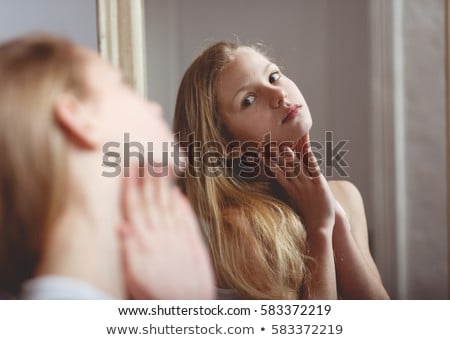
(34, 71)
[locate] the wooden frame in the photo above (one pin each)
(121, 38)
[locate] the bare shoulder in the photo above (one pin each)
(345, 191)
(348, 195)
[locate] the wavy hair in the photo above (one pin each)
(257, 241)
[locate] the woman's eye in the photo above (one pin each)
(247, 101)
(274, 77)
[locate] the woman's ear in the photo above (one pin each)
(77, 121)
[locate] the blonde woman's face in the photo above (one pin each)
(118, 110)
(256, 98)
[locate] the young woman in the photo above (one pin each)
(60, 218)
(284, 231)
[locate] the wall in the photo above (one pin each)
(74, 19)
(425, 148)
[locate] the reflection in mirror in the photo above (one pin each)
(372, 71)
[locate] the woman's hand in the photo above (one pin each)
(301, 178)
(163, 252)
(311, 197)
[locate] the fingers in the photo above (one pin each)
(161, 242)
(146, 202)
(133, 202)
(294, 166)
(310, 163)
(305, 164)
(281, 177)
(160, 204)
(126, 235)
(297, 161)
(129, 250)
(161, 190)
(184, 212)
(126, 205)
(289, 161)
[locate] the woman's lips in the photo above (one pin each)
(292, 112)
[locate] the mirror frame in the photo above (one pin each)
(121, 39)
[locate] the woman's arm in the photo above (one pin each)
(312, 198)
(322, 269)
(357, 274)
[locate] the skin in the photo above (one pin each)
(148, 234)
(144, 262)
(254, 98)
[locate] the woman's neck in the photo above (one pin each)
(84, 243)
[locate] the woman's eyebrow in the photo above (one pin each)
(240, 90)
(268, 66)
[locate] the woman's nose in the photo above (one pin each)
(278, 96)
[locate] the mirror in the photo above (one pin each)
(372, 72)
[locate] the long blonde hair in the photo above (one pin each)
(274, 246)
(34, 71)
